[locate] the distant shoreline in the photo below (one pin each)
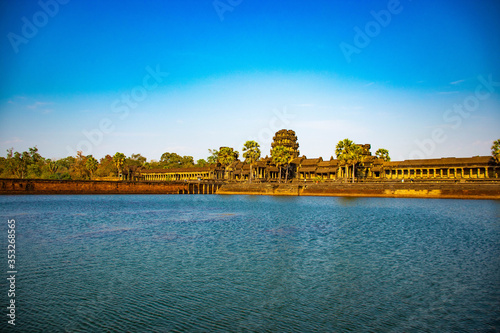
(443, 190)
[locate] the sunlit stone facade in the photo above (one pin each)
(302, 169)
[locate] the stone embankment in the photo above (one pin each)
(395, 190)
(473, 190)
(39, 186)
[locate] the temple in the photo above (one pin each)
(303, 169)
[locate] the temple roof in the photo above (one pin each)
(308, 169)
(192, 169)
(310, 161)
(445, 161)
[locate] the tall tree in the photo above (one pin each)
(106, 167)
(251, 153)
(495, 150)
(354, 156)
(227, 156)
(138, 158)
(280, 156)
(201, 163)
(342, 151)
(173, 160)
(79, 168)
(91, 164)
(214, 156)
(132, 164)
(383, 154)
(119, 160)
(53, 166)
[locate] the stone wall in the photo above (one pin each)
(38, 186)
(397, 190)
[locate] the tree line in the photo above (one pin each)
(30, 164)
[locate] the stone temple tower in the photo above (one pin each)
(288, 139)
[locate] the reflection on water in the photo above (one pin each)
(254, 263)
(348, 201)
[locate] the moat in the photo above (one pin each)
(262, 263)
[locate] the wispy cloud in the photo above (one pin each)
(11, 141)
(136, 134)
(457, 82)
(369, 84)
(352, 108)
(37, 105)
(16, 99)
(305, 105)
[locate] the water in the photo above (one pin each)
(206, 263)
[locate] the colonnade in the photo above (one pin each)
(430, 173)
(200, 188)
(176, 176)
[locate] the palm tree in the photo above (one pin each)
(119, 159)
(280, 156)
(495, 150)
(251, 153)
(91, 164)
(355, 155)
(342, 151)
(383, 154)
(226, 156)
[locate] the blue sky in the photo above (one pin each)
(419, 78)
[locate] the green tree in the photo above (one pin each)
(251, 153)
(106, 167)
(201, 163)
(354, 156)
(53, 166)
(91, 164)
(119, 160)
(495, 150)
(280, 156)
(342, 151)
(132, 164)
(66, 165)
(173, 160)
(138, 159)
(35, 163)
(3, 167)
(27, 164)
(383, 154)
(79, 170)
(214, 156)
(227, 155)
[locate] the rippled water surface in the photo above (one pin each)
(207, 263)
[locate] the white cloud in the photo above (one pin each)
(37, 105)
(11, 141)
